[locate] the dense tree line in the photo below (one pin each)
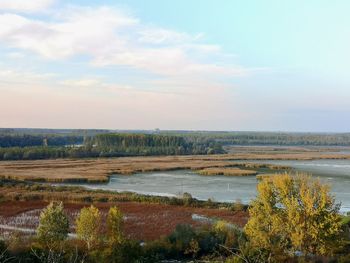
(289, 139)
(15, 146)
(150, 144)
(138, 140)
(114, 145)
(267, 138)
(24, 140)
(58, 137)
(41, 152)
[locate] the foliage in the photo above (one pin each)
(31, 144)
(207, 240)
(193, 248)
(115, 226)
(294, 214)
(15, 242)
(128, 251)
(53, 224)
(88, 225)
(24, 140)
(182, 236)
(114, 144)
(70, 251)
(345, 220)
(238, 206)
(266, 138)
(103, 145)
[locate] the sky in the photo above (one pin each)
(180, 65)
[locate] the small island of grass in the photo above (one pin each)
(227, 171)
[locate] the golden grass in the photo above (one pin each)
(227, 171)
(264, 176)
(99, 169)
(263, 165)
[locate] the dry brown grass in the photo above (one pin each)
(264, 165)
(263, 176)
(98, 170)
(234, 171)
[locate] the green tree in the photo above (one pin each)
(53, 224)
(293, 214)
(115, 226)
(88, 225)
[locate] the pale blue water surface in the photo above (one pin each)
(225, 188)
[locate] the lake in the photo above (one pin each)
(228, 189)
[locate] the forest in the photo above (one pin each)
(268, 138)
(31, 144)
(102, 145)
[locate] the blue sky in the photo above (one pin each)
(199, 65)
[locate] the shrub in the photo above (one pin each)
(182, 236)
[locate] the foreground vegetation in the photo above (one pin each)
(11, 190)
(293, 219)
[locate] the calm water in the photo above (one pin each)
(228, 189)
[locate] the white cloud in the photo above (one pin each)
(26, 6)
(156, 35)
(112, 37)
(18, 76)
(85, 31)
(89, 82)
(188, 80)
(15, 55)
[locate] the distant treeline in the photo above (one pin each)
(151, 144)
(42, 152)
(24, 140)
(21, 137)
(23, 144)
(269, 138)
(114, 145)
(288, 139)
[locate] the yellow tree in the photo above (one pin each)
(115, 226)
(88, 225)
(53, 225)
(294, 214)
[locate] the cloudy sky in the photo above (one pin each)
(199, 65)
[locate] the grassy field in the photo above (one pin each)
(144, 221)
(147, 217)
(98, 170)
